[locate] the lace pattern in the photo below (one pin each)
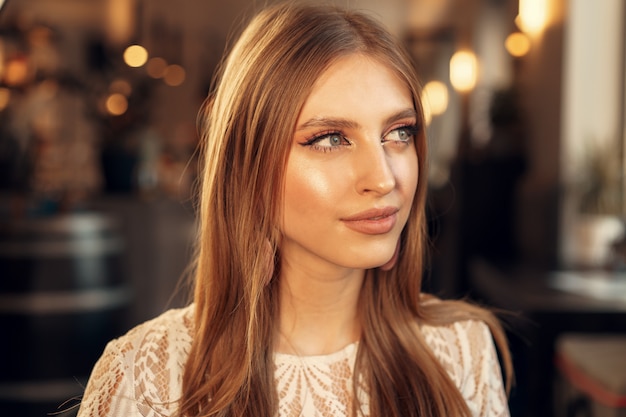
(315, 385)
(140, 374)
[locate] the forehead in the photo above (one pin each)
(357, 84)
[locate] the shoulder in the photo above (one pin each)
(467, 352)
(171, 330)
(455, 332)
(166, 338)
(141, 371)
(472, 335)
(458, 345)
(157, 351)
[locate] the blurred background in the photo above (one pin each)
(525, 103)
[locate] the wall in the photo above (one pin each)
(539, 77)
(593, 112)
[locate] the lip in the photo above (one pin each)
(375, 221)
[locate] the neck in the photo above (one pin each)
(318, 312)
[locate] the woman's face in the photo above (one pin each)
(352, 171)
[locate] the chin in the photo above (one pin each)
(372, 262)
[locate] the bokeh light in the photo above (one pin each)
(435, 93)
(121, 86)
(16, 72)
(156, 67)
(5, 97)
(116, 104)
(463, 71)
(174, 75)
(517, 44)
(135, 56)
(532, 15)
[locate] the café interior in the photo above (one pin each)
(525, 106)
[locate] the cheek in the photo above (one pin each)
(307, 188)
(407, 174)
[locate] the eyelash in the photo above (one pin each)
(411, 129)
(311, 142)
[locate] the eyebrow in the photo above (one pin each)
(338, 123)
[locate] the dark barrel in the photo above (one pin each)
(63, 295)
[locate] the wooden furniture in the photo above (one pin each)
(540, 315)
(592, 380)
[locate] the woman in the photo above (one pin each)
(307, 292)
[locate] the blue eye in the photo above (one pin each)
(402, 134)
(327, 141)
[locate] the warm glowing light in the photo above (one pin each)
(121, 86)
(517, 44)
(532, 15)
(120, 15)
(5, 96)
(463, 71)
(16, 72)
(427, 113)
(435, 93)
(156, 67)
(40, 36)
(135, 56)
(1, 56)
(116, 104)
(174, 75)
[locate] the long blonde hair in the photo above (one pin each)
(247, 130)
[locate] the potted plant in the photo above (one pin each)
(599, 223)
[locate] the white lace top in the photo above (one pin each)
(140, 374)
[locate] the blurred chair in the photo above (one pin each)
(592, 375)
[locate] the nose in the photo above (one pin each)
(374, 170)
